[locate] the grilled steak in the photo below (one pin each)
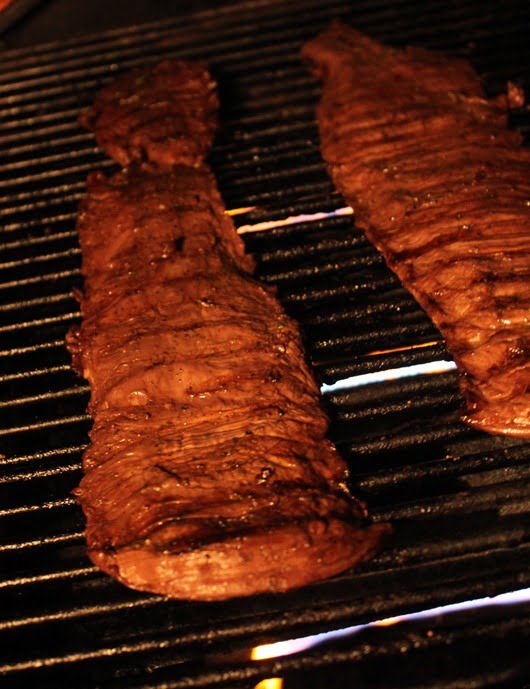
(165, 114)
(209, 474)
(442, 187)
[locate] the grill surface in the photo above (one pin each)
(459, 500)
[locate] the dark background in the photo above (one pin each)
(50, 20)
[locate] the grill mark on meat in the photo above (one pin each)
(238, 511)
(209, 474)
(440, 186)
(190, 534)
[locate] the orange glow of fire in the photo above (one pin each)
(406, 348)
(240, 211)
(262, 652)
(388, 622)
(270, 683)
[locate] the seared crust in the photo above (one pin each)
(441, 187)
(209, 474)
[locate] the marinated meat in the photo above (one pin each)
(165, 114)
(209, 474)
(442, 188)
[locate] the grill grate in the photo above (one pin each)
(459, 500)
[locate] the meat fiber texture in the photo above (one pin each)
(442, 188)
(209, 474)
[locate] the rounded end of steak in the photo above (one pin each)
(165, 114)
(261, 561)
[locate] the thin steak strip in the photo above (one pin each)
(442, 188)
(209, 474)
